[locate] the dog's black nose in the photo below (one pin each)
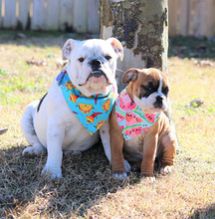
(159, 102)
(159, 99)
(96, 64)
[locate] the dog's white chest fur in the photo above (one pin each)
(76, 136)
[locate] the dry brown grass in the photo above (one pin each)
(87, 189)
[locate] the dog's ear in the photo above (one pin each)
(117, 46)
(67, 48)
(130, 75)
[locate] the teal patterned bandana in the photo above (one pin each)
(93, 111)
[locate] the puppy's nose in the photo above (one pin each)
(95, 63)
(159, 99)
(159, 102)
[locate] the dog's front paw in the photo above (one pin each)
(33, 150)
(120, 176)
(148, 179)
(53, 173)
(166, 170)
(127, 166)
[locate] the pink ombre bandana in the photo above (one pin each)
(130, 117)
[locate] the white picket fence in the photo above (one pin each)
(192, 17)
(78, 15)
(186, 17)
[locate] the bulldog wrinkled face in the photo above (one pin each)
(92, 64)
(148, 88)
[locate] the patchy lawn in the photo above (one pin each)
(28, 64)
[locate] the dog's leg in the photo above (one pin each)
(149, 154)
(168, 150)
(117, 161)
(55, 137)
(27, 126)
(105, 138)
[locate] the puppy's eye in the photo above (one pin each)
(108, 57)
(165, 90)
(81, 59)
(145, 91)
(148, 88)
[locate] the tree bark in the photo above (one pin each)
(141, 25)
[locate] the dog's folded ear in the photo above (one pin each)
(67, 48)
(117, 46)
(130, 75)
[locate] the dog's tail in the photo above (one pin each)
(27, 124)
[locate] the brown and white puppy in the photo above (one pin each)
(148, 90)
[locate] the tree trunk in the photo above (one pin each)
(141, 25)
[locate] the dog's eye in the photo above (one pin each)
(81, 59)
(165, 90)
(145, 91)
(149, 88)
(108, 57)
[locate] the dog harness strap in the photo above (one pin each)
(130, 117)
(92, 112)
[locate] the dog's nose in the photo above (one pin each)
(159, 102)
(95, 63)
(159, 99)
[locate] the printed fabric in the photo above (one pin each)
(131, 118)
(93, 111)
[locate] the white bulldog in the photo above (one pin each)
(50, 123)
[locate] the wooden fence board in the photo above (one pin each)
(183, 17)
(0, 13)
(24, 12)
(10, 14)
(66, 15)
(52, 15)
(93, 16)
(192, 17)
(172, 17)
(80, 16)
(206, 23)
(38, 17)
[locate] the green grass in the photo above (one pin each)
(87, 189)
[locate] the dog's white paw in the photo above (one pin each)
(148, 179)
(127, 166)
(166, 170)
(33, 150)
(120, 176)
(53, 173)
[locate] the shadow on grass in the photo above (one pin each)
(192, 47)
(87, 178)
(205, 213)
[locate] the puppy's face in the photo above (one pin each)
(148, 88)
(92, 64)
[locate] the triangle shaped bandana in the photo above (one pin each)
(130, 117)
(92, 112)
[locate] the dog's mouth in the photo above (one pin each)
(97, 77)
